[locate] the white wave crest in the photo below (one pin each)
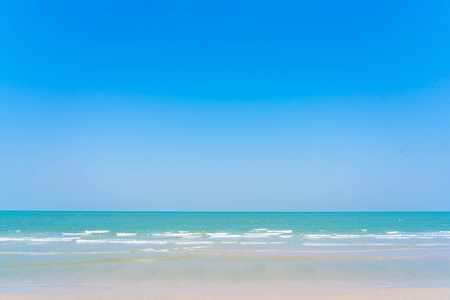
(223, 235)
(121, 242)
(194, 243)
(154, 250)
(75, 233)
(125, 234)
(182, 234)
(28, 239)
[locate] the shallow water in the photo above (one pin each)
(385, 249)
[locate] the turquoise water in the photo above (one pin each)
(160, 248)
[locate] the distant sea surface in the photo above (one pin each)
(159, 248)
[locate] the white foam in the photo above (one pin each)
(137, 242)
(391, 232)
(86, 232)
(345, 236)
(75, 233)
(332, 236)
(228, 243)
(194, 243)
(260, 229)
(223, 235)
(364, 230)
(154, 250)
(262, 234)
(183, 234)
(27, 239)
(125, 234)
(280, 231)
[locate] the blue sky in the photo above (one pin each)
(225, 105)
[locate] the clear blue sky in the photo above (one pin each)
(225, 105)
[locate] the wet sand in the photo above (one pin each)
(397, 294)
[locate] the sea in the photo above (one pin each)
(375, 249)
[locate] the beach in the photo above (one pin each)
(76, 255)
(400, 294)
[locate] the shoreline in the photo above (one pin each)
(435, 293)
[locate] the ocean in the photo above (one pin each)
(379, 249)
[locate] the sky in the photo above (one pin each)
(225, 105)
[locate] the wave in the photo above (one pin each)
(86, 232)
(389, 236)
(75, 233)
(261, 235)
(126, 234)
(121, 242)
(30, 239)
(331, 236)
(194, 243)
(248, 234)
(182, 234)
(153, 250)
(223, 235)
(261, 243)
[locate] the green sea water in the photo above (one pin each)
(157, 248)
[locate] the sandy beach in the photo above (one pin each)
(125, 256)
(397, 294)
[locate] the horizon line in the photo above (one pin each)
(174, 211)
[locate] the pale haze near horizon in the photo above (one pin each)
(185, 112)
